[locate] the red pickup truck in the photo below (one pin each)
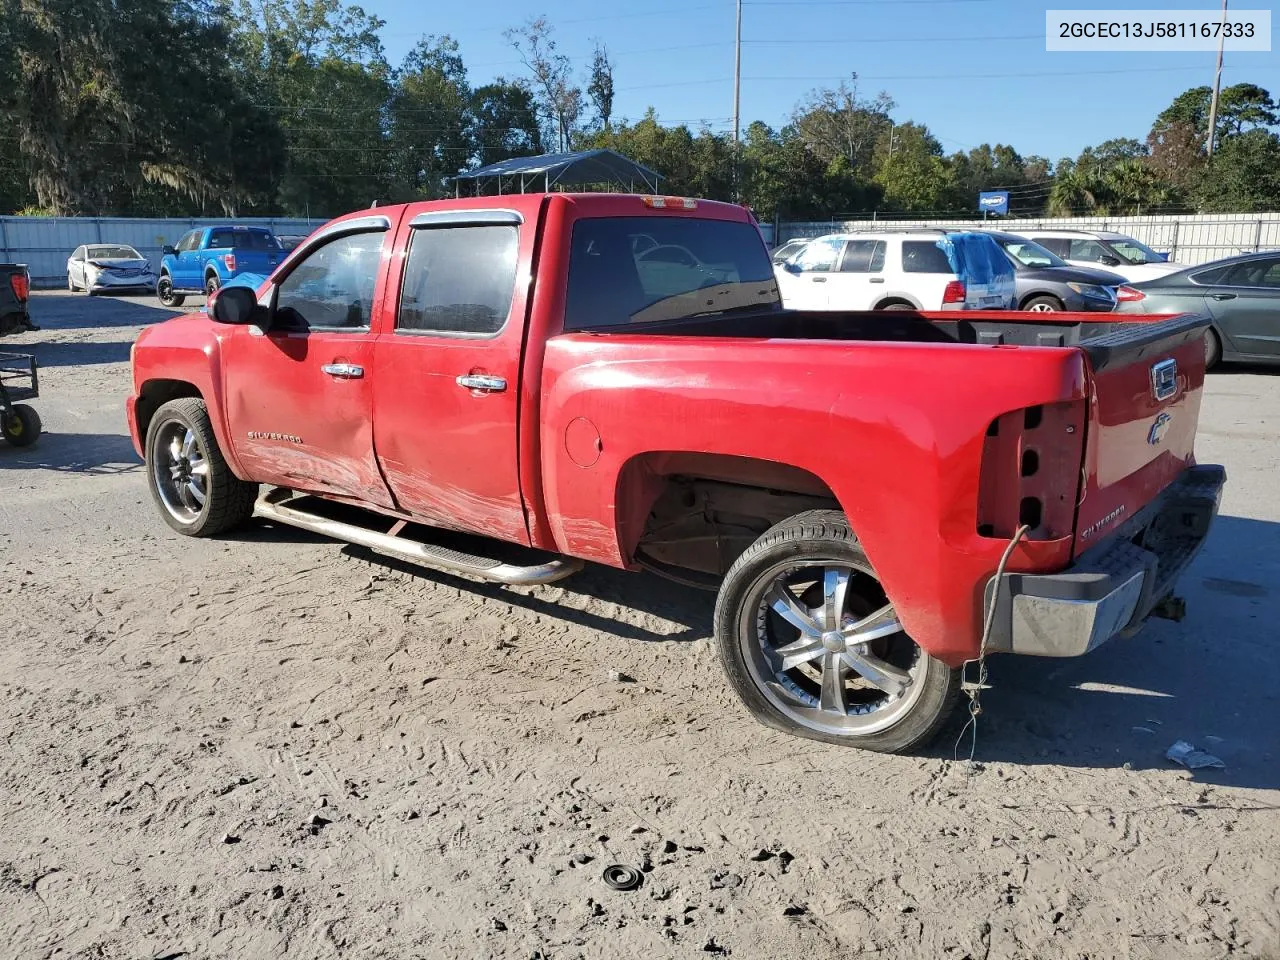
(878, 497)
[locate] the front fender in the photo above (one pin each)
(187, 349)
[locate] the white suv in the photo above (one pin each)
(905, 270)
(1130, 258)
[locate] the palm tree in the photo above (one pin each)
(1072, 192)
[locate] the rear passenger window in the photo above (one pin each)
(863, 256)
(1059, 245)
(924, 256)
(459, 280)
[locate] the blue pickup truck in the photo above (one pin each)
(207, 257)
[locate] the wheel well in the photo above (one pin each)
(154, 394)
(695, 513)
(210, 271)
(1037, 294)
(895, 301)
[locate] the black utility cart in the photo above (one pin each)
(19, 422)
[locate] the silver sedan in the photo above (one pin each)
(97, 267)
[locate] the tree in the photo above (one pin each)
(914, 175)
(600, 85)
(1177, 154)
(840, 123)
(429, 120)
(1074, 192)
(503, 123)
(1241, 106)
(551, 74)
(1243, 175)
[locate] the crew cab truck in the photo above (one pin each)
(206, 258)
(878, 498)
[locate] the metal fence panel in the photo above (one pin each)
(45, 243)
(1190, 239)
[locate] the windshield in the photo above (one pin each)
(1134, 252)
(692, 268)
(242, 240)
(113, 253)
(1029, 253)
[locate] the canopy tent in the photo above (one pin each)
(586, 167)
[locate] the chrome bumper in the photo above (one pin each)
(1111, 589)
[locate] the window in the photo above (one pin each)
(188, 241)
(820, 256)
(1057, 245)
(1208, 278)
(696, 268)
(924, 256)
(1255, 273)
(863, 256)
(1030, 254)
(459, 279)
(1090, 250)
(113, 253)
(228, 238)
(1134, 251)
(332, 288)
(78, 254)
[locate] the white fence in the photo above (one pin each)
(44, 243)
(1187, 239)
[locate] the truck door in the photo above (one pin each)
(187, 264)
(299, 398)
(447, 391)
(859, 281)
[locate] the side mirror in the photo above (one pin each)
(237, 306)
(1109, 261)
(791, 266)
(167, 249)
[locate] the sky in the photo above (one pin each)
(973, 71)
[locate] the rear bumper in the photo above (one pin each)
(1111, 589)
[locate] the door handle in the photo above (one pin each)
(482, 383)
(1222, 296)
(818, 279)
(343, 371)
(877, 279)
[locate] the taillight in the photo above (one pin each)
(229, 259)
(1031, 471)
(954, 292)
(21, 285)
(1128, 294)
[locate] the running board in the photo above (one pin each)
(274, 505)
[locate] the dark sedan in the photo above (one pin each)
(1045, 283)
(1240, 294)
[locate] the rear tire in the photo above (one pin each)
(793, 671)
(21, 428)
(1212, 349)
(896, 306)
(188, 476)
(211, 284)
(165, 294)
(1043, 304)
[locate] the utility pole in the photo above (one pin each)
(1217, 83)
(737, 77)
(737, 106)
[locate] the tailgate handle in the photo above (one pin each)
(482, 383)
(1222, 296)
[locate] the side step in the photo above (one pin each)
(276, 505)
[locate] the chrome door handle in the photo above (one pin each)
(343, 371)
(877, 279)
(482, 383)
(818, 279)
(1222, 296)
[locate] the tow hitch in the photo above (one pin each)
(1170, 608)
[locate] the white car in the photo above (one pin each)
(1130, 258)
(108, 266)
(904, 270)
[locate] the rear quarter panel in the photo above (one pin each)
(894, 430)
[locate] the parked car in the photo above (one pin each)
(852, 484)
(97, 267)
(206, 258)
(15, 291)
(1241, 294)
(788, 250)
(1130, 258)
(904, 270)
(1046, 283)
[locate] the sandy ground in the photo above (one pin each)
(275, 746)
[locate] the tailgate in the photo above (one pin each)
(1145, 403)
(257, 260)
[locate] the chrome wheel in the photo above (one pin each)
(824, 646)
(180, 468)
(1041, 307)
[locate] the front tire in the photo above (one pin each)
(812, 645)
(196, 491)
(21, 428)
(71, 287)
(165, 294)
(1043, 304)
